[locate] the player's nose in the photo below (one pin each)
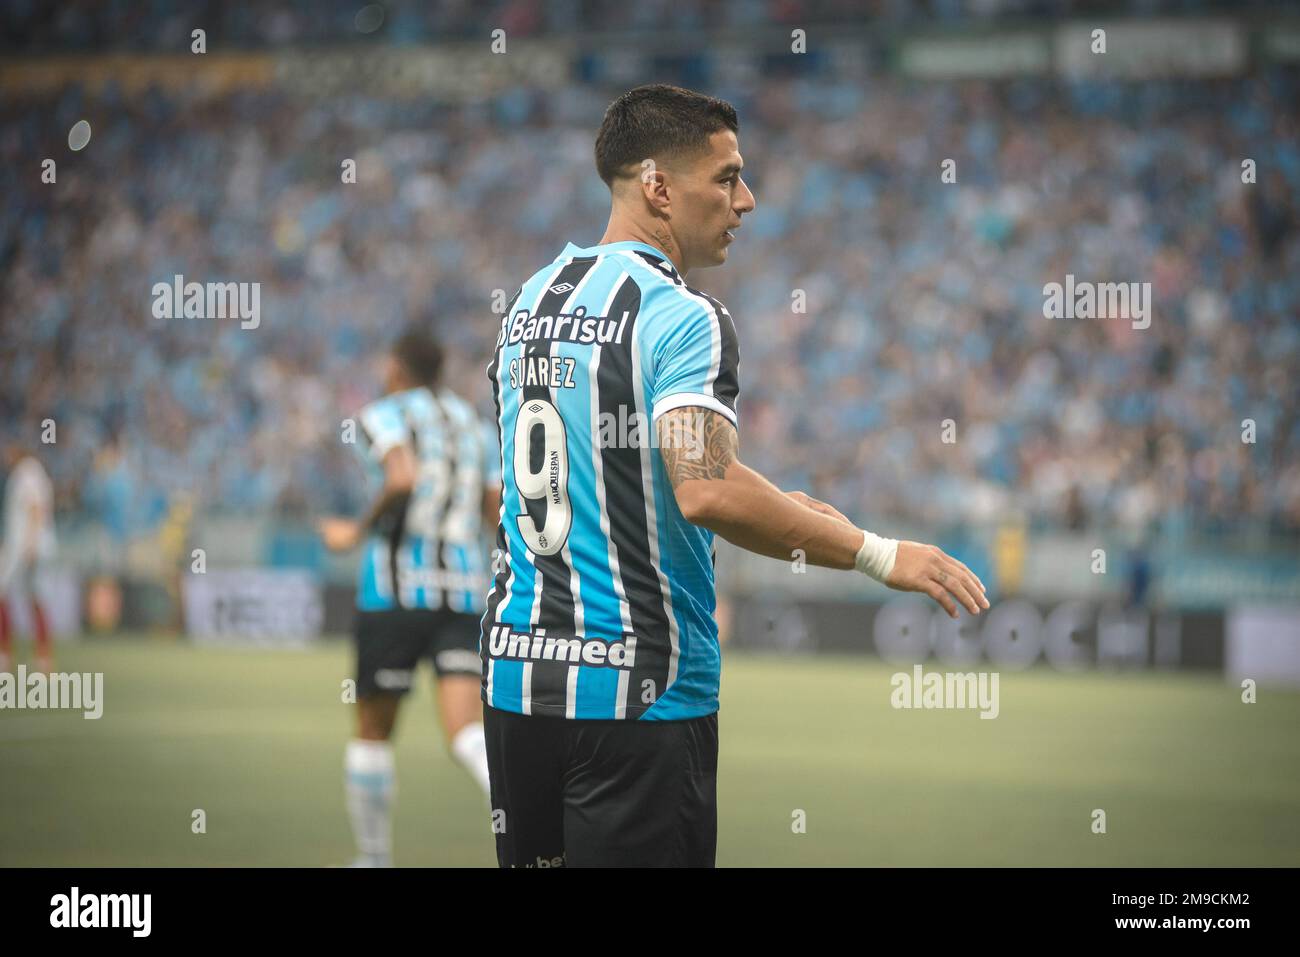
(745, 201)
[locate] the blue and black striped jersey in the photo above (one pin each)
(602, 606)
(429, 554)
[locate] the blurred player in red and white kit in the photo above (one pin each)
(28, 541)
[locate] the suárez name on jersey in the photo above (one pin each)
(554, 372)
(574, 326)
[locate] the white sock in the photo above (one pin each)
(469, 748)
(371, 783)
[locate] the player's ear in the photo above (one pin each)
(653, 183)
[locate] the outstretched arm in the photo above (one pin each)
(714, 489)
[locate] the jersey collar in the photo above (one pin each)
(602, 249)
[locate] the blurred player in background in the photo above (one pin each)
(422, 579)
(28, 542)
(600, 650)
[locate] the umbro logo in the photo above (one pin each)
(562, 287)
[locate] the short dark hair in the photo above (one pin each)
(658, 119)
(420, 355)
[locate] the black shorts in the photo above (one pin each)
(390, 645)
(603, 793)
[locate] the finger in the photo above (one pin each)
(962, 581)
(964, 575)
(958, 586)
(945, 557)
(822, 508)
(976, 586)
(935, 591)
(950, 581)
(962, 566)
(970, 573)
(832, 511)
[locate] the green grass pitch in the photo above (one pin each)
(1186, 773)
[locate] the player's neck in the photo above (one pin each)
(656, 234)
(403, 386)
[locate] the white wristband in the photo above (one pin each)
(876, 556)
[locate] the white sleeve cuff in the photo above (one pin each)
(680, 400)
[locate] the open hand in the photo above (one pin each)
(926, 569)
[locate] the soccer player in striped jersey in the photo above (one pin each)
(422, 578)
(616, 389)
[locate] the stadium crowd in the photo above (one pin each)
(874, 301)
(165, 25)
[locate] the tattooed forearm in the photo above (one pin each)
(696, 443)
